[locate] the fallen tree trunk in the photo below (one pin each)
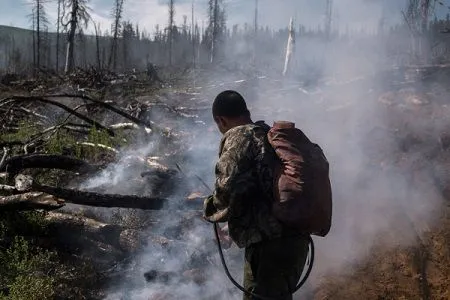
(89, 225)
(118, 236)
(30, 201)
(16, 164)
(103, 200)
(25, 183)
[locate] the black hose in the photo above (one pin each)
(299, 285)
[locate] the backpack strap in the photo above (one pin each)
(262, 124)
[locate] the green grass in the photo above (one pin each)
(27, 271)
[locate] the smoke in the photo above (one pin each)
(334, 98)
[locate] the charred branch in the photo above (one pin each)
(62, 106)
(106, 106)
(25, 183)
(30, 112)
(103, 200)
(3, 160)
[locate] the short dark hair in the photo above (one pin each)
(229, 104)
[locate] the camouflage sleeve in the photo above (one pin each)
(234, 175)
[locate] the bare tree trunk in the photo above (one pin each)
(71, 38)
(49, 49)
(328, 19)
(97, 41)
(34, 40)
(255, 41)
(214, 31)
(38, 32)
(424, 46)
(117, 17)
(193, 36)
(57, 35)
(170, 32)
(10, 60)
(290, 48)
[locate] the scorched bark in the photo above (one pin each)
(16, 164)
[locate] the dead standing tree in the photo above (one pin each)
(39, 11)
(255, 37)
(171, 29)
(290, 49)
(97, 45)
(216, 26)
(117, 15)
(58, 24)
(328, 19)
(128, 35)
(416, 17)
(39, 20)
(78, 16)
(424, 46)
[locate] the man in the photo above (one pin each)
(274, 255)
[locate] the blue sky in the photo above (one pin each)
(275, 13)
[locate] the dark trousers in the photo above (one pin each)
(273, 268)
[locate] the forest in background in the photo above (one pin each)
(127, 46)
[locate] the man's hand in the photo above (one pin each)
(211, 213)
(224, 237)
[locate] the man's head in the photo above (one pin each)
(230, 110)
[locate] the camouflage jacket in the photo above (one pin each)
(244, 186)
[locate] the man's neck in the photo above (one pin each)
(242, 121)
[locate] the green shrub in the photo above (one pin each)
(26, 271)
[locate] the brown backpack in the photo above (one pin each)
(302, 188)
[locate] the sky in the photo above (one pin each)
(274, 13)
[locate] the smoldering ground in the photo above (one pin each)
(381, 194)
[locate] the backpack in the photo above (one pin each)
(302, 188)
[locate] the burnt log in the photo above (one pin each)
(103, 200)
(16, 164)
(119, 237)
(25, 183)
